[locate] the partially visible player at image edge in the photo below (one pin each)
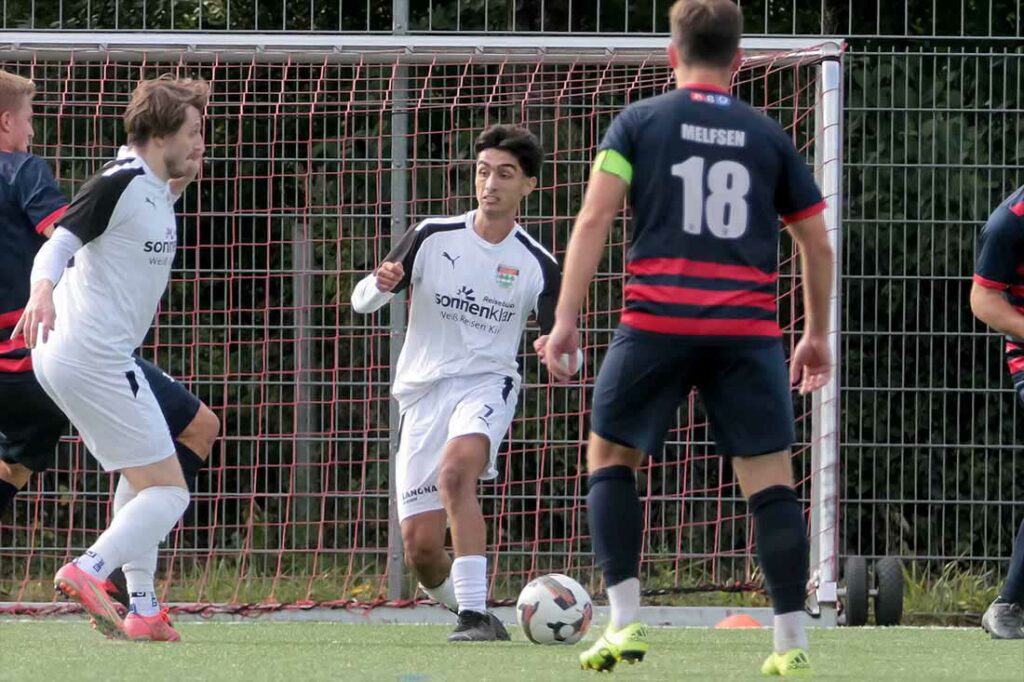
(997, 299)
(31, 425)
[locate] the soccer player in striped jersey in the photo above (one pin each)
(707, 178)
(83, 324)
(475, 278)
(30, 423)
(997, 299)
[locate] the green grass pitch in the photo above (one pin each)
(52, 651)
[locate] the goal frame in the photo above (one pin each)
(200, 47)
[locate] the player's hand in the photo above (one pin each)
(811, 364)
(39, 311)
(389, 275)
(564, 340)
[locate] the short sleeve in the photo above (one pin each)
(547, 301)
(92, 210)
(1000, 250)
(39, 195)
(618, 148)
(796, 193)
(405, 252)
(620, 134)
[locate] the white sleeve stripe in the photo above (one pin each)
(443, 221)
(536, 244)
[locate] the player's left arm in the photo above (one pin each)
(40, 196)
(999, 246)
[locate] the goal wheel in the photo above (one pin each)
(855, 604)
(889, 591)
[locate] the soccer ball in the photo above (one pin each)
(554, 609)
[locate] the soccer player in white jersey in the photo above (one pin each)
(475, 278)
(84, 322)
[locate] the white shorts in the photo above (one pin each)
(454, 407)
(114, 410)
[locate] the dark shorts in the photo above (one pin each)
(31, 425)
(1015, 363)
(644, 378)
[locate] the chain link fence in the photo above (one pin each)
(934, 139)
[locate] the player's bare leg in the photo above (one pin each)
(616, 529)
(783, 553)
(465, 458)
(159, 502)
(425, 554)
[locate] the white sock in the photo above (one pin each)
(790, 632)
(444, 593)
(137, 527)
(469, 573)
(624, 598)
(139, 574)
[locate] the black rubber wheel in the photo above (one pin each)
(855, 605)
(889, 583)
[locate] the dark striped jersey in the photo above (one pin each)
(709, 178)
(30, 202)
(1000, 262)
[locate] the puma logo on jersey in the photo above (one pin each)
(150, 202)
(450, 258)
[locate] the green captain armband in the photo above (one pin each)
(610, 161)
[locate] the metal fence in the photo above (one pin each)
(989, 19)
(934, 139)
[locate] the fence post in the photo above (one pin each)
(399, 221)
(825, 403)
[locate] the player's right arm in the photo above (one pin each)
(47, 270)
(999, 247)
(392, 276)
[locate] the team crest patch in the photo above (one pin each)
(507, 276)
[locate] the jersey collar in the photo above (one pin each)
(705, 86)
(126, 152)
(470, 225)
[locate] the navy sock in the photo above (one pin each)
(1013, 588)
(782, 548)
(616, 522)
(7, 493)
(190, 462)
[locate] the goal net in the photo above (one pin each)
(316, 161)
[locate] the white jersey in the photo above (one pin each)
(109, 294)
(471, 300)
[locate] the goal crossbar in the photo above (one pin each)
(386, 48)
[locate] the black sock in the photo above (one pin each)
(616, 522)
(190, 462)
(782, 547)
(7, 493)
(1013, 588)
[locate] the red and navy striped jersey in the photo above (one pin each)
(30, 201)
(1000, 255)
(709, 177)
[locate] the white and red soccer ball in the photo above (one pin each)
(554, 609)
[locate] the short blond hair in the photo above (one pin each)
(13, 90)
(158, 106)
